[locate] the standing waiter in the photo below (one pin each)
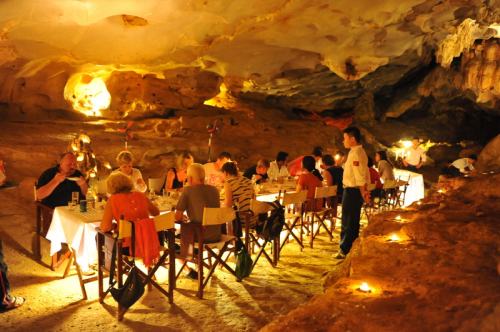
(356, 176)
(414, 156)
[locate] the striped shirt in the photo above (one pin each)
(242, 189)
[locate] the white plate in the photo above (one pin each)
(73, 178)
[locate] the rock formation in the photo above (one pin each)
(439, 273)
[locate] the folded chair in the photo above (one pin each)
(105, 242)
(201, 253)
(294, 204)
(321, 215)
(43, 220)
(156, 184)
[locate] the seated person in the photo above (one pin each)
(176, 177)
(237, 189)
(446, 172)
(334, 172)
(195, 197)
(278, 167)
(258, 172)
(309, 180)
(375, 178)
(55, 189)
(124, 161)
(460, 165)
(213, 175)
(295, 166)
(132, 205)
(385, 167)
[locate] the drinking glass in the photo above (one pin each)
(75, 195)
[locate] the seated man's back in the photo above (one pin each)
(193, 200)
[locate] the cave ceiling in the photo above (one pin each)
(126, 59)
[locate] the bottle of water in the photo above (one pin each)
(152, 195)
(90, 199)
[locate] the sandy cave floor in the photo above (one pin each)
(56, 304)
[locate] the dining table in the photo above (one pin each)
(78, 230)
(415, 190)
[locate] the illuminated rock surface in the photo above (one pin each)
(442, 275)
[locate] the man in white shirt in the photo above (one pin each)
(356, 176)
(278, 167)
(213, 175)
(460, 165)
(414, 156)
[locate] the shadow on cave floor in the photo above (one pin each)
(56, 304)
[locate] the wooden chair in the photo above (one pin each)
(369, 208)
(43, 220)
(194, 251)
(252, 238)
(105, 243)
(389, 190)
(156, 184)
(321, 215)
(400, 194)
(294, 213)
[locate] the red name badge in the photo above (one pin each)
(355, 163)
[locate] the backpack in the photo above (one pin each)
(273, 226)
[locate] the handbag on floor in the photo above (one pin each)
(133, 287)
(243, 259)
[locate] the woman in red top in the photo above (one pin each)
(309, 180)
(375, 178)
(132, 205)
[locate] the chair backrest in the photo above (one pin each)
(401, 183)
(371, 186)
(258, 207)
(218, 216)
(101, 187)
(156, 183)
(294, 198)
(389, 184)
(322, 192)
(162, 222)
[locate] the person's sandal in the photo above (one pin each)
(16, 303)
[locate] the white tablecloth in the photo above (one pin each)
(415, 190)
(77, 229)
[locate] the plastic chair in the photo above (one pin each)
(102, 193)
(194, 251)
(105, 243)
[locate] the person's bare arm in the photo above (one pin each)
(228, 193)
(107, 217)
(152, 209)
(170, 181)
(328, 178)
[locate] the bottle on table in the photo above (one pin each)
(90, 199)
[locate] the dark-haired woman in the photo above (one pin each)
(385, 167)
(237, 189)
(309, 180)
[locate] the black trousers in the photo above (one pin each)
(455, 172)
(351, 214)
(6, 299)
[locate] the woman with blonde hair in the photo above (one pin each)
(132, 205)
(124, 161)
(177, 175)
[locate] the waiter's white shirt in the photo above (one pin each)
(413, 156)
(356, 172)
(274, 171)
(462, 163)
